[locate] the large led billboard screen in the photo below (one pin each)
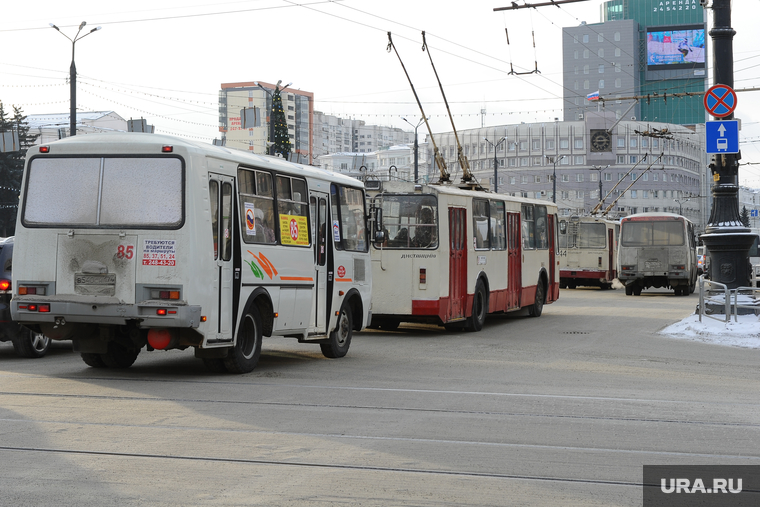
(676, 47)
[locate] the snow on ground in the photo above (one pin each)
(745, 333)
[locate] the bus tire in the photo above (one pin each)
(637, 291)
(479, 308)
(340, 338)
(244, 355)
(537, 308)
(93, 360)
(28, 343)
(629, 290)
(119, 356)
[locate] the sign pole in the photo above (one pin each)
(727, 239)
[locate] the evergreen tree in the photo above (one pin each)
(745, 216)
(281, 138)
(12, 168)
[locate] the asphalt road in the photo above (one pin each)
(560, 410)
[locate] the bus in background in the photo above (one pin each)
(657, 250)
(588, 252)
(449, 256)
(127, 241)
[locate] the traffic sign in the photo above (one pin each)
(722, 136)
(720, 100)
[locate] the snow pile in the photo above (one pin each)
(745, 333)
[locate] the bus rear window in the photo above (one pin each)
(653, 233)
(129, 192)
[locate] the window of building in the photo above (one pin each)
(575, 85)
(585, 38)
(585, 84)
(565, 178)
(536, 144)
(633, 159)
(550, 144)
(617, 51)
(645, 143)
(575, 54)
(524, 162)
(646, 177)
(585, 69)
(600, 37)
(655, 176)
(607, 176)
(618, 83)
(536, 179)
(579, 177)
(645, 194)
(634, 142)
(564, 194)
(586, 53)
(600, 53)
(579, 194)
(601, 84)
(524, 179)
(523, 145)
(592, 176)
(512, 180)
(564, 144)
(578, 160)
(617, 36)
(576, 70)
(634, 194)
(621, 142)
(578, 142)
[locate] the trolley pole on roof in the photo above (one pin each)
(726, 237)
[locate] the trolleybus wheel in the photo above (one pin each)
(637, 291)
(538, 304)
(629, 290)
(340, 338)
(244, 355)
(93, 360)
(479, 308)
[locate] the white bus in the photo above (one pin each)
(131, 241)
(449, 256)
(588, 252)
(657, 250)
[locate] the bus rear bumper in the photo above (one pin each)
(109, 311)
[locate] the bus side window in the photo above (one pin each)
(542, 228)
(213, 191)
(480, 223)
(227, 221)
(528, 228)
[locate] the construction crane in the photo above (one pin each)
(439, 161)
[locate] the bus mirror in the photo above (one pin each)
(378, 218)
(379, 236)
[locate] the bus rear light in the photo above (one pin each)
(45, 308)
(628, 268)
(600, 262)
(161, 311)
(167, 149)
(32, 308)
(31, 291)
(5, 284)
(44, 149)
(159, 339)
(203, 318)
(678, 267)
(164, 294)
(423, 275)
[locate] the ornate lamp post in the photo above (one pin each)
(725, 235)
(73, 76)
(416, 146)
(554, 161)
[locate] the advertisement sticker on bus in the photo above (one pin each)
(336, 230)
(250, 219)
(159, 252)
(294, 230)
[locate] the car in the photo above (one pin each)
(26, 342)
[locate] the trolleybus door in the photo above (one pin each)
(318, 205)
(457, 263)
(553, 289)
(221, 191)
(514, 261)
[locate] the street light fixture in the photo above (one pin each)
(554, 161)
(680, 204)
(73, 76)
(495, 162)
(416, 146)
(600, 169)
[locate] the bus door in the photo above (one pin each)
(553, 289)
(318, 206)
(514, 261)
(611, 255)
(222, 223)
(457, 263)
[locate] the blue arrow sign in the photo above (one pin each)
(722, 136)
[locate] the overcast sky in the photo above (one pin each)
(164, 60)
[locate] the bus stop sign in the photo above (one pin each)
(720, 100)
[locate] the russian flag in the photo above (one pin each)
(593, 96)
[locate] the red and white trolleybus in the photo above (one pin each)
(450, 255)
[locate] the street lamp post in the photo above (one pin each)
(73, 76)
(600, 169)
(416, 146)
(554, 161)
(495, 162)
(680, 204)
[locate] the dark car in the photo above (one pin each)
(26, 342)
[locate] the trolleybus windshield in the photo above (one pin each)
(409, 221)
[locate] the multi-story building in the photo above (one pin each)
(298, 106)
(649, 48)
(395, 162)
(656, 166)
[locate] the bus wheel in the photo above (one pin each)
(479, 308)
(637, 291)
(340, 338)
(244, 355)
(538, 304)
(119, 356)
(93, 360)
(629, 290)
